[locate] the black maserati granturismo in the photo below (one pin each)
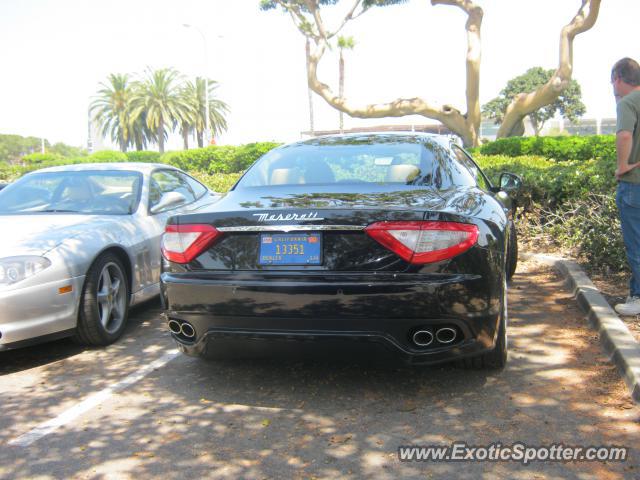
(362, 240)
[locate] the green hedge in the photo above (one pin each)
(557, 148)
(551, 183)
(145, 156)
(219, 159)
(210, 160)
(571, 204)
(42, 158)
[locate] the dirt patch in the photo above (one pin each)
(614, 286)
(605, 384)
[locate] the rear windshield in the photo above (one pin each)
(401, 163)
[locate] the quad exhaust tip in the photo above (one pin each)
(187, 330)
(446, 335)
(183, 329)
(174, 326)
(423, 338)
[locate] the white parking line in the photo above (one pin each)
(90, 402)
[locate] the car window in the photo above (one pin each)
(198, 189)
(89, 192)
(165, 181)
(395, 161)
(470, 165)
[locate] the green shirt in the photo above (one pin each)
(628, 114)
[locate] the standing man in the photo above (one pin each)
(625, 78)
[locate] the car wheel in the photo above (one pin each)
(104, 303)
(512, 251)
(497, 357)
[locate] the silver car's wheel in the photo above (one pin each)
(104, 303)
(111, 297)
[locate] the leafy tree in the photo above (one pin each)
(568, 103)
(14, 147)
(157, 96)
(67, 151)
(308, 19)
(112, 109)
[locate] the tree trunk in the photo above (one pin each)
(200, 139)
(160, 133)
(467, 126)
(537, 126)
(185, 138)
(310, 93)
(341, 89)
(526, 103)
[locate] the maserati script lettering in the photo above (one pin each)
(265, 217)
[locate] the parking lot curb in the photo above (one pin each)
(615, 337)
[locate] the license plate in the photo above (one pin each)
(290, 249)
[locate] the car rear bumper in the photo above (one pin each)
(245, 316)
(39, 311)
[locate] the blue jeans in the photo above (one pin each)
(628, 202)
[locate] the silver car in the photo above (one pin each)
(80, 244)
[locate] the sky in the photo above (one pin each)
(55, 53)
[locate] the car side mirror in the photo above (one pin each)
(510, 182)
(167, 201)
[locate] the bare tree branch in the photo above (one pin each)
(467, 126)
(474, 55)
(526, 103)
(348, 16)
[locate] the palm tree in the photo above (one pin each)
(157, 96)
(140, 133)
(112, 109)
(344, 43)
(195, 93)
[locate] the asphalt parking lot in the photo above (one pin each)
(68, 412)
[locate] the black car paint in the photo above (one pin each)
(362, 291)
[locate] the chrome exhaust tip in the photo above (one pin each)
(446, 335)
(423, 338)
(174, 326)
(187, 330)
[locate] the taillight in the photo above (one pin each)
(183, 243)
(424, 242)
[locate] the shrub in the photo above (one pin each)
(41, 158)
(569, 204)
(550, 183)
(591, 225)
(218, 159)
(104, 156)
(146, 156)
(562, 148)
(218, 182)
(247, 154)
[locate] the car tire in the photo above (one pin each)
(104, 304)
(496, 358)
(512, 251)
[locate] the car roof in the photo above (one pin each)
(128, 166)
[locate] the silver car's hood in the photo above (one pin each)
(37, 234)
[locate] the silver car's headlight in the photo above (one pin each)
(16, 269)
